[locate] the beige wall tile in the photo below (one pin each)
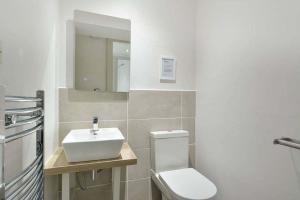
(188, 104)
(65, 127)
(155, 193)
(139, 130)
(142, 169)
(51, 188)
(189, 125)
(123, 190)
(102, 177)
(153, 104)
(139, 189)
(94, 193)
(124, 173)
(192, 155)
(69, 112)
(2, 123)
(73, 108)
(72, 95)
(2, 95)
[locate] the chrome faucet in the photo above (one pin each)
(95, 125)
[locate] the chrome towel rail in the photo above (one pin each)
(22, 187)
(23, 111)
(34, 190)
(28, 184)
(23, 122)
(22, 99)
(23, 174)
(18, 135)
(288, 142)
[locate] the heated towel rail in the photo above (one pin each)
(21, 122)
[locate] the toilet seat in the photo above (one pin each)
(188, 184)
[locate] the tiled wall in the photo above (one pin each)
(1, 108)
(136, 114)
(2, 95)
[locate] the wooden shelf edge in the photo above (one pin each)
(57, 164)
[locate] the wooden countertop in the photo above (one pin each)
(58, 163)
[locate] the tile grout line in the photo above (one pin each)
(140, 179)
(126, 167)
(151, 118)
(149, 189)
(127, 117)
(69, 122)
(181, 94)
(120, 120)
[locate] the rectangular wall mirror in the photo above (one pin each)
(102, 53)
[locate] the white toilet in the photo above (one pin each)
(169, 168)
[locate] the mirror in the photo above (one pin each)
(102, 53)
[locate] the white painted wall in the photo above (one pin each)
(248, 79)
(28, 35)
(158, 28)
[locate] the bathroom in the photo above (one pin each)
(230, 103)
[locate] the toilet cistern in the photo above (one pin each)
(171, 172)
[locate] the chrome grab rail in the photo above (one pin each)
(22, 99)
(288, 142)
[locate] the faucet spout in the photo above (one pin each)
(95, 125)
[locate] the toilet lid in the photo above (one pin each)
(188, 184)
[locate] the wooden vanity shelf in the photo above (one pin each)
(58, 164)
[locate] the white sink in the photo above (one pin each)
(83, 145)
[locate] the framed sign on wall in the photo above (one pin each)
(168, 68)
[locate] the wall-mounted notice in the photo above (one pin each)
(168, 68)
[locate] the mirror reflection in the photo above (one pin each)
(102, 55)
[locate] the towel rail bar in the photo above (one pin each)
(21, 134)
(37, 190)
(23, 111)
(19, 177)
(29, 183)
(24, 122)
(31, 189)
(22, 99)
